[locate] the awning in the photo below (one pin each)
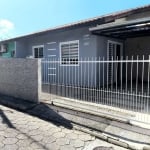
(124, 29)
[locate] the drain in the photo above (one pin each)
(103, 148)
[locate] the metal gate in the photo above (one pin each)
(88, 80)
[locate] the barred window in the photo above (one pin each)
(69, 52)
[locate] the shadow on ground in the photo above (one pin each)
(7, 122)
(44, 112)
(41, 111)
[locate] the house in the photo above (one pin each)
(124, 33)
(92, 38)
(102, 60)
(116, 35)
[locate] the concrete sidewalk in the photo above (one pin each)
(111, 131)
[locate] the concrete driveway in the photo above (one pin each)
(19, 131)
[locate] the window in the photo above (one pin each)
(69, 52)
(38, 51)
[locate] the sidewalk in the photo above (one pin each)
(19, 131)
(111, 133)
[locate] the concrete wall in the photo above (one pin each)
(20, 78)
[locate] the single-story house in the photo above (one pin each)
(121, 34)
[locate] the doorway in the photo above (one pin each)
(115, 52)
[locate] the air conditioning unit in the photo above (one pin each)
(3, 48)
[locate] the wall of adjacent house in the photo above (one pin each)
(10, 50)
(20, 78)
(140, 47)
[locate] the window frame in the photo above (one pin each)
(33, 50)
(60, 52)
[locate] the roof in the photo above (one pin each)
(95, 20)
(124, 29)
(119, 24)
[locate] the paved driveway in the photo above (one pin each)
(19, 131)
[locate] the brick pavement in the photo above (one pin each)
(19, 131)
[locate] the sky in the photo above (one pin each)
(19, 17)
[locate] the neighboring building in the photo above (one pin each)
(7, 50)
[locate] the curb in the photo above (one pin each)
(109, 139)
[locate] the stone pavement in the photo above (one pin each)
(19, 131)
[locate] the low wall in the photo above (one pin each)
(20, 78)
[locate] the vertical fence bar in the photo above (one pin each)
(103, 79)
(85, 78)
(116, 81)
(58, 76)
(143, 69)
(142, 73)
(137, 71)
(112, 76)
(126, 90)
(78, 86)
(95, 84)
(53, 78)
(75, 86)
(81, 82)
(121, 69)
(99, 74)
(131, 72)
(107, 93)
(46, 73)
(61, 69)
(126, 73)
(66, 79)
(69, 82)
(49, 84)
(55, 65)
(148, 97)
(91, 78)
(72, 81)
(88, 93)
(121, 93)
(107, 64)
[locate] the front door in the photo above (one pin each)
(115, 52)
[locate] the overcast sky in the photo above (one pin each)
(18, 17)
